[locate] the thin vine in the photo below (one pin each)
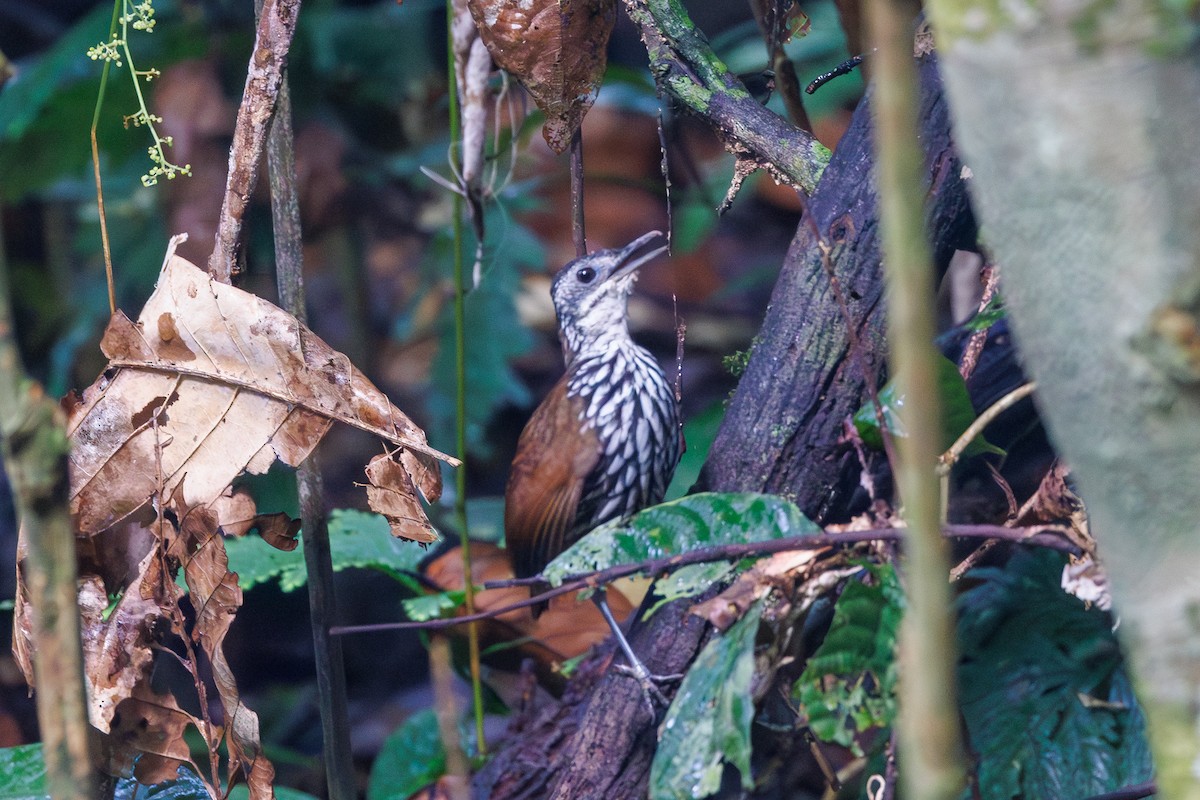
(115, 52)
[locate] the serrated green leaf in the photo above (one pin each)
(690, 523)
(411, 758)
(848, 684)
(708, 723)
(957, 413)
(433, 606)
(22, 773)
(357, 539)
(1030, 653)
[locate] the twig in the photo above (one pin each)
(318, 560)
(665, 168)
(1050, 536)
(264, 74)
(104, 246)
(685, 67)
(1134, 792)
(975, 344)
(578, 233)
(844, 68)
(460, 399)
(948, 459)
(928, 736)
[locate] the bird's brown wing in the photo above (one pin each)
(555, 453)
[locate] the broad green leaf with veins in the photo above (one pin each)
(708, 723)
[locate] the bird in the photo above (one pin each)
(605, 441)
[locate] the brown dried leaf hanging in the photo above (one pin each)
(214, 381)
(390, 493)
(556, 48)
(210, 382)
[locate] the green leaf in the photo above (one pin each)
(22, 773)
(688, 581)
(31, 90)
(690, 523)
(957, 413)
(848, 685)
(992, 313)
(708, 723)
(357, 539)
(411, 758)
(433, 606)
(1031, 655)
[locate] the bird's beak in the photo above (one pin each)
(627, 259)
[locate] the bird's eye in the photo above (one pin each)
(586, 275)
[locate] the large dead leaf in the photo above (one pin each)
(212, 381)
(556, 48)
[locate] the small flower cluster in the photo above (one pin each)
(142, 16)
(108, 51)
(163, 168)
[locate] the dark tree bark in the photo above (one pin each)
(779, 436)
(803, 378)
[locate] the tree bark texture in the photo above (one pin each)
(779, 435)
(1079, 124)
(804, 378)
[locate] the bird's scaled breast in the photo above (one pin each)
(631, 407)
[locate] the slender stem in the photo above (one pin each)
(34, 443)
(460, 366)
(104, 246)
(952, 455)
(318, 561)
(1049, 536)
(930, 749)
(578, 233)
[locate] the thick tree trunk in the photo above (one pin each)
(1080, 125)
(804, 378)
(779, 436)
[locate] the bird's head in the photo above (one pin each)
(591, 293)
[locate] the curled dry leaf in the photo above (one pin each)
(776, 571)
(556, 48)
(212, 381)
(390, 493)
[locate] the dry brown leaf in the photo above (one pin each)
(117, 644)
(216, 597)
(556, 48)
(568, 627)
(210, 382)
(150, 727)
(390, 493)
(769, 573)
